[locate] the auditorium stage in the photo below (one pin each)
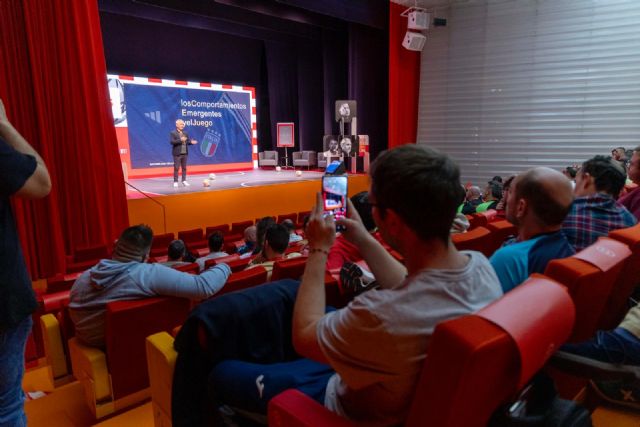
(232, 196)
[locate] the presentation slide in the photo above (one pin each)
(220, 118)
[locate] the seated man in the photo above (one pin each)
(378, 343)
(291, 228)
(127, 276)
(216, 240)
(249, 241)
(631, 200)
(261, 229)
(276, 242)
(175, 254)
(538, 201)
(492, 195)
(472, 200)
(595, 211)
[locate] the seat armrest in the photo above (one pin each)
(291, 408)
(161, 362)
(53, 345)
(584, 367)
(90, 368)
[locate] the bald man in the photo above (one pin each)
(537, 204)
(180, 142)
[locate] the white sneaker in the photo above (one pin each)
(175, 185)
(185, 183)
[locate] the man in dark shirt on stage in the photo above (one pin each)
(180, 142)
(23, 174)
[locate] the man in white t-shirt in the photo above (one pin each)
(378, 343)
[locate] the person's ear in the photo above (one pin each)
(521, 208)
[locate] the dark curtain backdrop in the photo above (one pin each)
(52, 78)
(404, 82)
(300, 62)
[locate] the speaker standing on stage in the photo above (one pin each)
(180, 142)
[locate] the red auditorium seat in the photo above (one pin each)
(243, 280)
(85, 258)
(213, 261)
(60, 283)
(237, 231)
(193, 239)
(500, 230)
(590, 275)
(222, 229)
(474, 364)
(237, 264)
(628, 280)
(289, 268)
(160, 244)
(191, 268)
(292, 216)
(478, 239)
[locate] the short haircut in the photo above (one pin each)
(261, 229)
(421, 185)
(571, 171)
(289, 225)
(278, 238)
(507, 183)
(176, 250)
(539, 199)
(608, 175)
(496, 189)
(216, 240)
(360, 201)
(496, 178)
(475, 191)
(134, 241)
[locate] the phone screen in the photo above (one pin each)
(334, 196)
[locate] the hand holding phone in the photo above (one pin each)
(334, 196)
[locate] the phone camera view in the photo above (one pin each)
(334, 195)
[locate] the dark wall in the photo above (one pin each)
(300, 61)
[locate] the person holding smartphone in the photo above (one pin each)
(180, 151)
(378, 343)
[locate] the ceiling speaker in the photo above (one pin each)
(414, 41)
(418, 20)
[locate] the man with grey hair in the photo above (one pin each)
(537, 203)
(127, 276)
(473, 198)
(180, 141)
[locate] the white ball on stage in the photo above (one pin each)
(298, 173)
(278, 168)
(212, 176)
(206, 183)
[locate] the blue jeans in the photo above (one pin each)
(616, 346)
(12, 347)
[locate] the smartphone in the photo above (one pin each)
(334, 196)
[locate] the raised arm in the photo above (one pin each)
(170, 282)
(39, 183)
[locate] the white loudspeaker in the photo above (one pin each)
(418, 20)
(414, 41)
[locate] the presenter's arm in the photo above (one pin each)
(39, 183)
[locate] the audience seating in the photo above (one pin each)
(237, 230)
(292, 216)
(268, 158)
(500, 231)
(160, 244)
(617, 307)
(243, 280)
(289, 268)
(116, 378)
(85, 258)
(301, 217)
(590, 283)
(304, 158)
(236, 265)
(59, 283)
(222, 229)
(213, 261)
(193, 239)
(478, 239)
(474, 363)
(191, 268)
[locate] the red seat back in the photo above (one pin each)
(478, 239)
(222, 229)
(93, 253)
(301, 217)
(193, 239)
(238, 264)
(238, 227)
(191, 268)
(628, 280)
(292, 216)
(243, 280)
(500, 231)
(589, 287)
(160, 244)
(289, 268)
(128, 324)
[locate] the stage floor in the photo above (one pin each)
(163, 186)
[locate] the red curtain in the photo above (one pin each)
(53, 83)
(404, 82)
